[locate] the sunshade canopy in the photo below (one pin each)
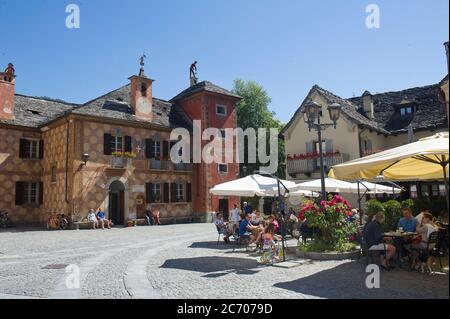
(253, 185)
(421, 160)
(338, 186)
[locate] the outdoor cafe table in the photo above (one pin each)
(398, 240)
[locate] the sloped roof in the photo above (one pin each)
(116, 105)
(204, 86)
(34, 112)
(429, 111)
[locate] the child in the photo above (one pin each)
(269, 246)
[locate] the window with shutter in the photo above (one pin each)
(166, 193)
(173, 193)
(107, 144)
(148, 193)
(148, 148)
(188, 192)
(128, 144)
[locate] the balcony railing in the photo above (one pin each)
(304, 166)
(182, 166)
(161, 165)
(120, 162)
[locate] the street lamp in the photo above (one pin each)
(312, 111)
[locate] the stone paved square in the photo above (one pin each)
(181, 261)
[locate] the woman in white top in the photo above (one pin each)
(425, 229)
(92, 218)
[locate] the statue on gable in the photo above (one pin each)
(142, 63)
(9, 72)
(193, 73)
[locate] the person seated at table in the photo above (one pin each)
(222, 227)
(63, 222)
(420, 242)
(273, 220)
(443, 217)
(408, 223)
(246, 228)
(101, 217)
(420, 216)
(92, 218)
(375, 241)
(149, 217)
(256, 218)
(156, 218)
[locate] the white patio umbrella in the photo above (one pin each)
(331, 186)
(338, 186)
(373, 188)
(252, 185)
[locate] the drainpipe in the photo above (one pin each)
(359, 141)
(67, 162)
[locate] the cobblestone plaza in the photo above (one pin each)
(181, 261)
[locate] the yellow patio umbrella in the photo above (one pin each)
(426, 159)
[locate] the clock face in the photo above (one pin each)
(7, 108)
(143, 106)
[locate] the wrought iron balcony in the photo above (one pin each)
(120, 162)
(311, 165)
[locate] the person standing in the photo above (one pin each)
(149, 216)
(235, 217)
(247, 209)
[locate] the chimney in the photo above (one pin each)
(7, 79)
(368, 104)
(141, 96)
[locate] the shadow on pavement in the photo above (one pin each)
(212, 245)
(213, 266)
(347, 281)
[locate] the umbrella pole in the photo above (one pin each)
(446, 184)
(359, 205)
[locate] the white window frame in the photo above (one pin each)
(180, 192)
(33, 146)
(413, 191)
(32, 193)
(218, 106)
(157, 190)
(223, 165)
(117, 144)
(157, 149)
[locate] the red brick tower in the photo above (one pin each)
(215, 107)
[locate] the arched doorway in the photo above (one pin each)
(117, 202)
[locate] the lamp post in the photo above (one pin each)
(312, 112)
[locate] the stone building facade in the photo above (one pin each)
(112, 152)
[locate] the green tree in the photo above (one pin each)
(253, 112)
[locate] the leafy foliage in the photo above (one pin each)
(253, 112)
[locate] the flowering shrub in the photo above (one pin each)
(311, 156)
(333, 220)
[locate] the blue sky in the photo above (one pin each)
(286, 46)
